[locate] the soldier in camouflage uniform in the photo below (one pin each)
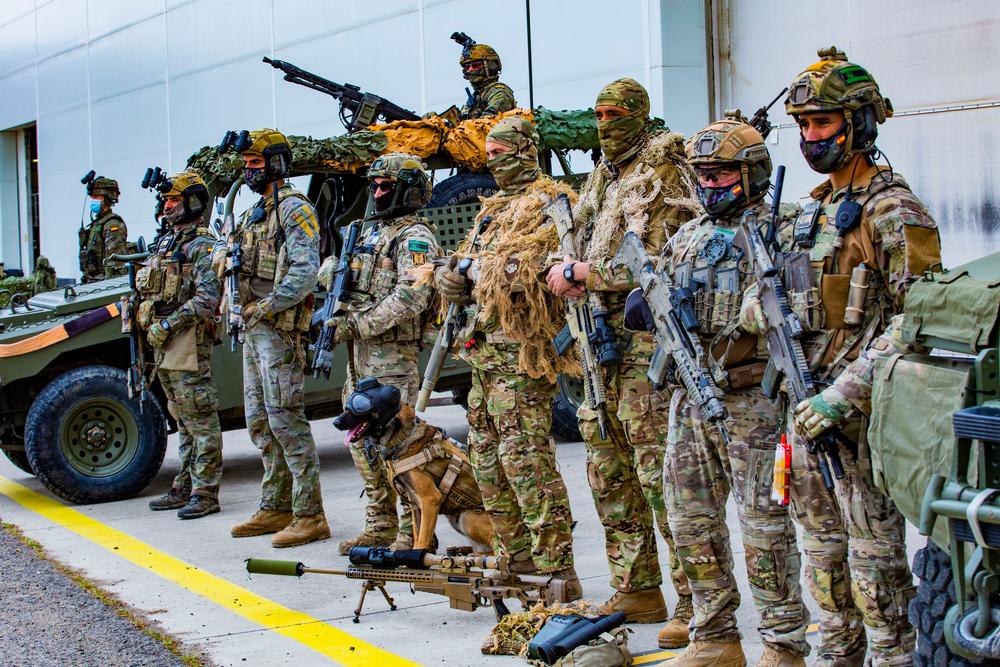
(180, 294)
(512, 320)
(383, 324)
(864, 214)
(279, 239)
(644, 185)
(700, 468)
(106, 235)
(481, 67)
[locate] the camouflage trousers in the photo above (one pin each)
(395, 364)
(194, 403)
(625, 472)
(699, 471)
(873, 583)
(514, 462)
(276, 419)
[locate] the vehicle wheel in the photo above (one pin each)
(88, 443)
(935, 596)
(460, 395)
(19, 458)
(463, 189)
(569, 398)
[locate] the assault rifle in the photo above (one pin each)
(333, 304)
(760, 121)
(585, 324)
(468, 581)
(676, 333)
(234, 310)
(358, 109)
(784, 329)
(136, 374)
(454, 321)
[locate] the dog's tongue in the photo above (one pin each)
(356, 431)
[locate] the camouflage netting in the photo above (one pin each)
(511, 635)
(464, 144)
(42, 280)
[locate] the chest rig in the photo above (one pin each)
(91, 254)
(167, 280)
(709, 275)
(262, 240)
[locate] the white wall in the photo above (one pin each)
(925, 55)
(119, 85)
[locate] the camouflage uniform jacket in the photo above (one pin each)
(178, 282)
(493, 99)
(104, 237)
(280, 257)
(652, 194)
(384, 296)
(896, 238)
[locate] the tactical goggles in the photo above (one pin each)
(473, 66)
(359, 404)
(385, 186)
(716, 174)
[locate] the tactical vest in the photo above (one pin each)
(265, 263)
(478, 107)
(167, 280)
(374, 277)
(91, 245)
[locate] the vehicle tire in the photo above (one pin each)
(935, 596)
(569, 398)
(88, 443)
(463, 189)
(19, 458)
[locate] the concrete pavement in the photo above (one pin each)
(422, 630)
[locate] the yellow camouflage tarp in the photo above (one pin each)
(466, 143)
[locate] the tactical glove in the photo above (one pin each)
(638, 316)
(158, 334)
(825, 410)
(752, 318)
(254, 313)
(326, 271)
(345, 327)
(452, 285)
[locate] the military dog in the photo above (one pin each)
(423, 463)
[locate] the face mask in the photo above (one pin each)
(175, 216)
(513, 171)
(383, 199)
(720, 201)
(478, 78)
(256, 178)
(826, 155)
(619, 136)
(95, 208)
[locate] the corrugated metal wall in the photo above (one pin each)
(935, 60)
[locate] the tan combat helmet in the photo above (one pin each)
(732, 141)
(413, 187)
(190, 186)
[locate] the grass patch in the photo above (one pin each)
(122, 609)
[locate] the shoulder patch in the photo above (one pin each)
(416, 245)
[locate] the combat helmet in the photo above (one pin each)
(834, 84)
(473, 52)
(271, 145)
(731, 141)
(190, 186)
(105, 187)
(412, 186)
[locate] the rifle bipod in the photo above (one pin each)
(373, 585)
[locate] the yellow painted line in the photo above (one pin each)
(655, 656)
(308, 631)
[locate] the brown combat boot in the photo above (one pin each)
(302, 530)
(574, 589)
(777, 657)
(364, 539)
(646, 606)
(262, 523)
(675, 633)
(171, 500)
(711, 654)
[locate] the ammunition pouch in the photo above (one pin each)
(746, 375)
(802, 292)
(294, 320)
(145, 314)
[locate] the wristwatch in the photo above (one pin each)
(568, 273)
(165, 324)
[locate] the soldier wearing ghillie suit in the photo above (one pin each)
(180, 294)
(512, 321)
(383, 324)
(106, 234)
(864, 216)
(481, 67)
(644, 185)
(733, 169)
(279, 238)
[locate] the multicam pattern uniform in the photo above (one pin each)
(281, 262)
(700, 470)
(104, 237)
(493, 99)
(387, 308)
(513, 456)
(187, 294)
(650, 194)
(897, 239)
